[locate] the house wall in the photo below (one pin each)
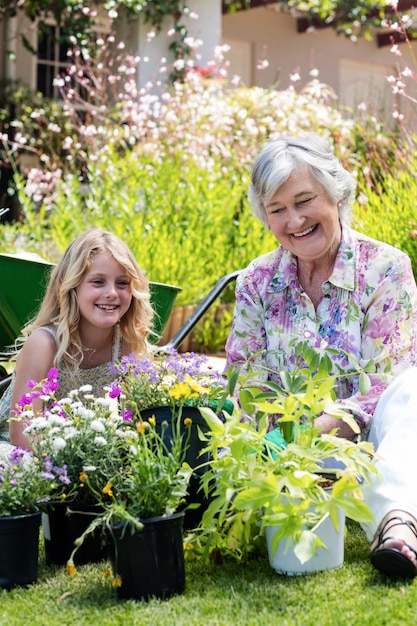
(206, 28)
(132, 31)
(356, 71)
(18, 63)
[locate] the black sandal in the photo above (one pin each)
(391, 561)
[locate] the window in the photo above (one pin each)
(52, 58)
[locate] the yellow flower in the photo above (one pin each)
(189, 388)
(187, 422)
(141, 428)
(83, 477)
(107, 489)
(106, 572)
(152, 420)
(117, 581)
(180, 390)
(195, 386)
(71, 569)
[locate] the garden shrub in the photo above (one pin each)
(387, 211)
(169, 172)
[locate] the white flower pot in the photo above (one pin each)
(284, 561)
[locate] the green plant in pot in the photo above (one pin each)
(288, 478)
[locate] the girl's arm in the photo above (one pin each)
(33, 363)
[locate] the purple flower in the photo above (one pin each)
(115, 391)
(127, 416)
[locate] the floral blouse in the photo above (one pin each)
(368, 309)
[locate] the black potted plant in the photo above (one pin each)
(27, 484)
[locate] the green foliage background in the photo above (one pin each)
(388, 210)
(169, 173)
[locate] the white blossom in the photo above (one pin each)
(86, 389)
(97, 426)
(58, 444)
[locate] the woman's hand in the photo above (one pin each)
(327, 423)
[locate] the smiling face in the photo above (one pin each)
(304, 219)
(105, 293)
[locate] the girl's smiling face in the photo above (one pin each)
(304, 219)
(105, 293)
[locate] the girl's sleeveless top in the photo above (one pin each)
(98, 377)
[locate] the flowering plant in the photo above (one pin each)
(124, 463)
(80, 432)
(170, 379)
(28, 482)
(152, 482)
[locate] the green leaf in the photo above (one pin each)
(306, 546)
(214, 422)
(246, 400)
(364, 383)
(355, 509)
(257, 496)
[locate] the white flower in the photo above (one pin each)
(58, 420)
(39, 423)
(86, 389)
(64, 401)
(58, 444)
(84, 413)
(113, 405)
(27, 414)
(100, 441)
(97, 426)
(89, 468)
(71, 433)
(103, 401)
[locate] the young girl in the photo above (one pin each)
(96, 309)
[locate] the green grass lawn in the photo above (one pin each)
(233, 593)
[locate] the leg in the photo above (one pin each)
(391, 497)
(392, 550)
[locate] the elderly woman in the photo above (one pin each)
(359, 295)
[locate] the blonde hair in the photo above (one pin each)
(60, 308)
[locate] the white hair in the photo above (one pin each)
(281, 156)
